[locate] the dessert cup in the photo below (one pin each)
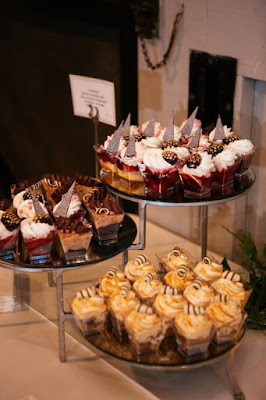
(172, 260)
(179, 278)
(199, 293)
(9, 229)
(128, 171)
(245, 151)
(90, 311)
(112, 283)
(147, 288)
(208, 269)
(139, 267)
(145, 330)
(107, 160)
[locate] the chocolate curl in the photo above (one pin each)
(149, 131)
(131, 147)
(169, 131)
(62, 208)
(194, 142)
(219, 130)
(37, 207)
(126, 128)
(114, 144)
(187, 128)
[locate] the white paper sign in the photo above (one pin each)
(98, 93)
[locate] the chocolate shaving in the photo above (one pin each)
(126, 128)
(219, 130)
(149, 131)
(37, 207)
(131, 147)
(187, 128)
(71, 225)
(65, 202)
(169, 130)
(114, 144)
(194, 142)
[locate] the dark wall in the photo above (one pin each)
(39, 49)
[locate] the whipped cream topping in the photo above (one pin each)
(177, 280)
(154, 161)
(122, 143)
(5, 233)
(147, 288)
(199, 296)
(144, 327)
(74, 206)
(169, 306)
(234, 290)
(26, 209)
(193, 326)
(90, 308)
(224, 313)
(227, 131)
(242, 147)
(175, 259)
(205, 168)
(134, 271)
(35, 230)
(208, 271)
(225, 159)
(109, 286)
(133, 161)
(123, 305)
(204, 142)
(18, 199)
(195, 127)
(182, 152)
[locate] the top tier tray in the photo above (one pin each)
(137, 193)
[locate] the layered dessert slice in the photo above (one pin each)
(9, 229)
(106, 216)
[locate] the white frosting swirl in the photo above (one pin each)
(90, 308)
(109, 286)
(182, 152)
(154, 161)
(235, 290)
(121, 306)
(18, 199)
(224, 313)
(144, 327)
(205, 168)
(225, 159)
(193, 326)
(147, 289)
(209, 272)
(169, 306)
(153, 142)
(175, 259)
(134, 271)
(35, 230)
(199, 296)
(174, 279)
(5, 233)
(26, 209)
(74, 206)
(242, 147)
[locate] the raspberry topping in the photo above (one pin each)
(170, 157)
(194, 160)
(215, 149)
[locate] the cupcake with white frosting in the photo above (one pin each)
(230, 284)
(245, 150)
(90, 311)
(227, 317)
(128, 161)
(199, 293)
(226, 163)
(208, 269)
(147, 287)
(138, 268)
(173, 260)
(145, 330)
(112, 282)
(179, 278)
(197, 174)
(159, 169)
(193, 330)
(227, 133)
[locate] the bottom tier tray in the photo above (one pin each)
(167, 358)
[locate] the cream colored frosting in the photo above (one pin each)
(122, 143)
(144, 327)
(199, 296)
(173, 279)
(169, 306)
(90, 308)
(205, 168)
(147, 288)
(227, 131)
(109, 286)
(210, 271)
(235, 290)
(194, 127)
(224, 313)
(35, 230)
(123, 305)
(174, 261)
(154, 161)
(5, 233)
(225, 159)
(242, 147)
(74, 206)
(18, 199)
(134, 271)
(26, 209)
(182, 152)
(194, 327)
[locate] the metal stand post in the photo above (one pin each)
(204, 229)
(142, 228)
(95, 120)
(51, 282)
(237, 392)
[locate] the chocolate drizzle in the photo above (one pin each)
(114, 144)
(169, 130)
(63, 207)
(131, 147)
(149, 131)
(219, 130)
(187, 128)
(126, 128)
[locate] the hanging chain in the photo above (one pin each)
(168, 51)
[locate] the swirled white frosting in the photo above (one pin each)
(74, 206)
(18, 199)
(144, 327)
(133, 271)
(154, 161)
(5, 233)
(209, 272)
(169, 306)
(122, 306)
(242, 147)
(157, 128)
(193, 326)
(174, 261)
(90, 308)
(204, 142)
(227, 131)
(224, 313)
(153, 142)
(147, 289)
(26, 209)
(35, 230)
(205, 168)
(133, 161)
(235, 290)
(199, 297)
(173, 279)
(225, 159)
(182, 152)
(109, 286)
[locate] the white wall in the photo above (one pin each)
(229, 28)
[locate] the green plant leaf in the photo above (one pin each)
(225, 264)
